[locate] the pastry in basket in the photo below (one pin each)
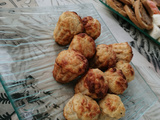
(69, 64)
(81, 107)
(83, 44)
(93, 84)
(123, 51)
(117, 6)
(144, 19)
(132, 15)
(111, 107)
(104, 57)
(127, 70)
(69, 24)
(117, 82)
(92, 27)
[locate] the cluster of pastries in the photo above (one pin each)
(103, 70)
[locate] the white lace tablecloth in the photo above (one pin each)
(146, 53)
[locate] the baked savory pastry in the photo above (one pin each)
(69, 64)
(83, 44)
(93, 84)
(111, 107)
(69, 24)
(123, 51)
(92, 27)
(126, 2)
(104, 57)
(144, 19)
(81, 107)
(117, 82)
(117, 6)
(132, 15)
(127, 70)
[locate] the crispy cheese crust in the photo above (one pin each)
(93, 84)
(69, 64)
(127, 70)
(116, 81)
(69, 24)
(83, 44)
(92, 27)
(123, 51)
(81, 107)
(104, 58)
(111, 107)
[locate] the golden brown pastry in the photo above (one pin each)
(69, 64)
(104, 58)
(127, 70)
(126, 2)
(111, 107)
(144, 19)
(117, 82)
(69, 24)
(93, 84)
(123, 51)
(132, 15)
(81, 107)
(83, 44)
(92, 27)
(117, 6)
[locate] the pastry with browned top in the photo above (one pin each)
(123, 51)
(132, 15)
(126, 2)
(93, 84)
(104, 57)
(127, 70)
(144, 19)
(81, 107)
(92, 27)
(117, 6)
(69, 64)
(83, 44)
(111, 107)
(69, 24)
(117, 82)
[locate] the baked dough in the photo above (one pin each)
(81, 107)
(93, 84)
(83, 44)
(111, 107)
(69, 64)
(117, 6)
(104, 58)
(69, 24)
(127, 70)
(92, 27)
(123, 51)
(117, 82)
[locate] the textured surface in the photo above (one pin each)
(147, 48)
(93, 84)
(68, 25)
(81, 107)
(82, 41)
(112, 107)
(69, 64)
(30, 53)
